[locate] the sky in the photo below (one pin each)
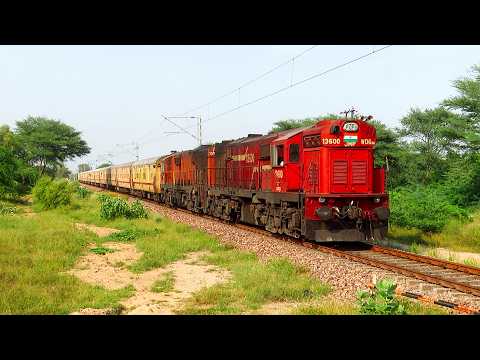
(117, 95)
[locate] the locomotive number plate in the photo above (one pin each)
(367, 142)
(330, 141)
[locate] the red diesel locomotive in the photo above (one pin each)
(317, 182)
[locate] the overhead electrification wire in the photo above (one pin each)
(269, 94)
(297, 83)
(252, 81)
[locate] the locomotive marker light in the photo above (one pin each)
(350, 127)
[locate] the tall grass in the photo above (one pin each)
(456, 235)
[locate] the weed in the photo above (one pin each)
(381, 300)
(7, 210)
(101, 250)
(471, 262)
(432, 252)
(166, 284)
(325, 308)
(125, 235)
(116, 310)
(83, 193)
(113, 207)
(137, 211)
(414, 248)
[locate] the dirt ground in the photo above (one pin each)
(190, 275)
(100, 231)
(110, 271)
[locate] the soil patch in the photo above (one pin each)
(100, 231)
(275, 308)
(110, 271)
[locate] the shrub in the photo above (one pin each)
(426, 208)
(7, 210)
(462, 181)
(50, 194)
(125, 235)
(83, 193)
(137, 211)
(113, 207)
(381, 300)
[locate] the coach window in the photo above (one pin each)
(294, 153)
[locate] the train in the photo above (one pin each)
(318, 182)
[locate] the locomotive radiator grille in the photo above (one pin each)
(340, 171)
(359, 172)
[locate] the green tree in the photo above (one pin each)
(433, 135)
(48, 143)
(8, 172)
(18, 176)
(288, 124)
(467, 102)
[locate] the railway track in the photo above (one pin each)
(446, 274)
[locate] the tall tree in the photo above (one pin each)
(48, 143)
(433, 135)
(16, 172)
(468, 104)
(8, 172)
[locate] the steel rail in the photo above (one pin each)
(427, 260)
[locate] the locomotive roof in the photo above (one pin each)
(149, 161)
(287, 134)
(122, 165)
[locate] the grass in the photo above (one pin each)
(101, 250)
(330, 307)
(253, 284)
(326, 308)
(37, 252)
(164, 285)
(455, 236)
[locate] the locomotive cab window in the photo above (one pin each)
(294, 153)
(277, 155)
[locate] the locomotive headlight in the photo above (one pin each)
(376, 200)
(322, 200)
